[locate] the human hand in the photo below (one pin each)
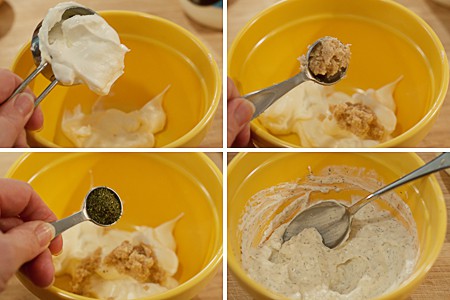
(239, 113)
(17, 114)
(25, 234)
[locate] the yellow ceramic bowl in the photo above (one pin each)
(154, 187)
(249, 173)
(162, 53)
(387, 39)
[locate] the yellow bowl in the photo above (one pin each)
(387, 39)
(249, 173)
(162, 53)
(154, 187)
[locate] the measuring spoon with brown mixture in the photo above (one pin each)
(325, 63)
(102, 206)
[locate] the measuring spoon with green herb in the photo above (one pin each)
(102, 206)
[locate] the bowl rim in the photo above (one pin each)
(411, 283)
(212, 109)
(210, 268)
(432, 112)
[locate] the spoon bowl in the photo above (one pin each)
(85, 213)
(35, 50)
(333, 220)
(330, 218)
(264, 98)
(319, 78)
(44, 67)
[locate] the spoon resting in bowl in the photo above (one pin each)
(333, 220)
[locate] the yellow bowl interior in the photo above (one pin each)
(387, 41)
(249, 173)
(162, 53)
(154, 187)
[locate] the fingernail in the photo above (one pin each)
(50, 285)
(24, 103)
(45, 233)
(244, 112)
(59, 253)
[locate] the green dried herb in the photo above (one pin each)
(103, 206)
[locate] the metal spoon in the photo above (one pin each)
(45, 67)
(333, 219)
(264, 98)
(83, 215)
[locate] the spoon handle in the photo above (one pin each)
(27, 80)
(437, 164)
(264, 98)
(66, 223)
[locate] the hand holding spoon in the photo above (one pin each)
(264, 98)
(333, 219)
(44, 67)
(102, 206)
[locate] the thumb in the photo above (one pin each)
(240, 112)
(21, 244)
(14, 115)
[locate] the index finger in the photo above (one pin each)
(9, 81)
(232, 90)
(18, 199)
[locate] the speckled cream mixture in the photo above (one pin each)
(379, 255)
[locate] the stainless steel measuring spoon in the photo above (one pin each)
(45, 67)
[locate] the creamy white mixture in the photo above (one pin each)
(379, 255)
(115, 128)
(81, 49)
(82, 241)
(306, 111)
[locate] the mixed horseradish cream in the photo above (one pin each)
(379, 255)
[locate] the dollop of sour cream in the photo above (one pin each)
(83, 49)
(114, 128)
(307, 111)
(84, 239)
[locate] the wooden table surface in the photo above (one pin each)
(437, 16)
(16, 291)
(18, 19)
(436, 285)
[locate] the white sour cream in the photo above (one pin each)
(114, 128)
(83, 239)
(82, 49)
(305, 111)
